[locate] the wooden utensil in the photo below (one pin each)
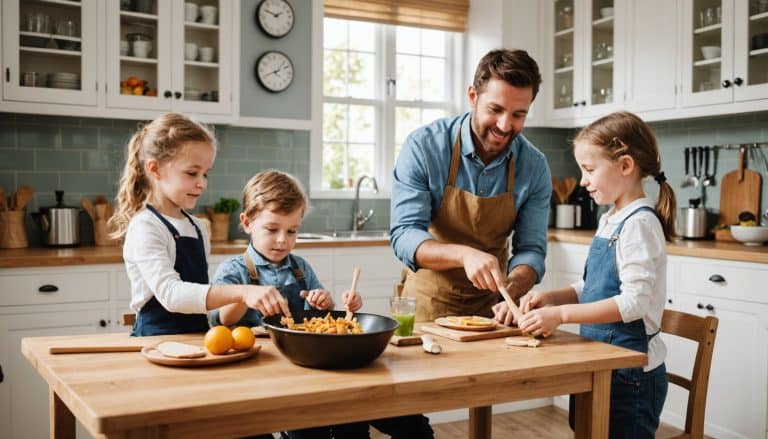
(511, 303)
(570, 185)
(3, 200)
(739, 192)
(355, 277)
(100, 199)
(23, 196)
(88, 206)
(92, 349)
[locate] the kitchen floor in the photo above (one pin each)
(544, 422)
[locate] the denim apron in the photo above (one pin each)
(483, 223)
(290, 292)
(637, 397)
(153, 318)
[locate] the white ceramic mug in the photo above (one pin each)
(208, 14)
(565, 216)
(190, 51)
(190, 12)
(141, 49)
(206, 54)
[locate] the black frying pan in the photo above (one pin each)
(331, 351)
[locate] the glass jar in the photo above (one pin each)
(566, 17)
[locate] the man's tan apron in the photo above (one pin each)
(464, 218)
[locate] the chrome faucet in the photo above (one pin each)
(358, 218)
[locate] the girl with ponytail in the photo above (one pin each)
(620, 299)
(165, 248)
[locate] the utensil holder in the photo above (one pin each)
(101, 233)
(12, 231)
(219, 226)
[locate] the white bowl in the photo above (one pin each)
(606, 12)
(750, 235)
(710, 52)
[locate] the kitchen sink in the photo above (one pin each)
(361, 234)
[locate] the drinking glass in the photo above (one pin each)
(404, 311)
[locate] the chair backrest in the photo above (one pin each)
(702, 330)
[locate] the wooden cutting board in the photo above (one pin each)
(459, 335)
(739, 192)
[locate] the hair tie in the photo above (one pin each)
(660, 178)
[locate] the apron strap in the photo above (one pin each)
(511, 174)
(169, 226)
(253, 275)
(455, 160)
(297, 273)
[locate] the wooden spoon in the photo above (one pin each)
(88, 206)
(3, 200)
(570, 185)
(355, 277)
(23, 195)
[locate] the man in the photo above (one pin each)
(461, 186)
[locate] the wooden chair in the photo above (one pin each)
(129, 319)
(702, 330)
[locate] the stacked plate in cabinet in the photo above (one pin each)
(70, 81)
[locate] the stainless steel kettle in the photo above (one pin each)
(59, 224)
(692, 221)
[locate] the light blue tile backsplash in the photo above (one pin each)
(84, 157)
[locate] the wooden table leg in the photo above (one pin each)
(480, 419)
(593, 408)
(62, 420)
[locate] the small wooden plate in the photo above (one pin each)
(153, 355)
(447, 323)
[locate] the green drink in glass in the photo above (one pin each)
(404, 311)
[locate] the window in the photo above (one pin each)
(380, 82)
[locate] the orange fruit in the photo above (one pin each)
(243, 337)
(218, 340)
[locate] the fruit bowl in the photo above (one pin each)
(331, 351)
(750, 235)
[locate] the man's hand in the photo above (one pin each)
(482, 269)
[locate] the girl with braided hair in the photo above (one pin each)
(166, 249)
(620, 299)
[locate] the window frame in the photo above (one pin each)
(384, 108)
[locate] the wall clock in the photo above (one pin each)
(274, 71)
(275, 17)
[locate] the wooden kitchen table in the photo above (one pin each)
(121, 395)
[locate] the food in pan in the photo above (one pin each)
(324, 325)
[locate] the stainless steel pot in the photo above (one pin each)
(59, 224)
(692, 223)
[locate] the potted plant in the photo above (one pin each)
(219, 217)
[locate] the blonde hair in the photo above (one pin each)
(623, 133)
(273, 190)
(161, 140)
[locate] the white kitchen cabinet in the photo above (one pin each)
(586, 57)
(737, 398)
(739, 72)
(179, 76)
(49, 50)
(652, 55)
(42, 302)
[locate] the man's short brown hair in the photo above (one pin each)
(515, 67)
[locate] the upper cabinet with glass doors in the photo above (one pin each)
(49, 50)
(169, 55)
(584, 62)
(725, 51)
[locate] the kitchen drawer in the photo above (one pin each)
(722, 280)
(375, 263)
(25, 289)
(568, 258)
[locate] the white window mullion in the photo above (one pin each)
(387, 137)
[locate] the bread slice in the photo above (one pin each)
(180, 350)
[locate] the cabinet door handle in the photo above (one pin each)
(583, 103)
(1, 374)
(177, 94)
(102, 323)
(699, 306)
(716, 278)
(167, 94)
(738, 81)
(7, 74)
(669, 300)
(48, 288)
(726, 83)
(709, 307)
(575, 104)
